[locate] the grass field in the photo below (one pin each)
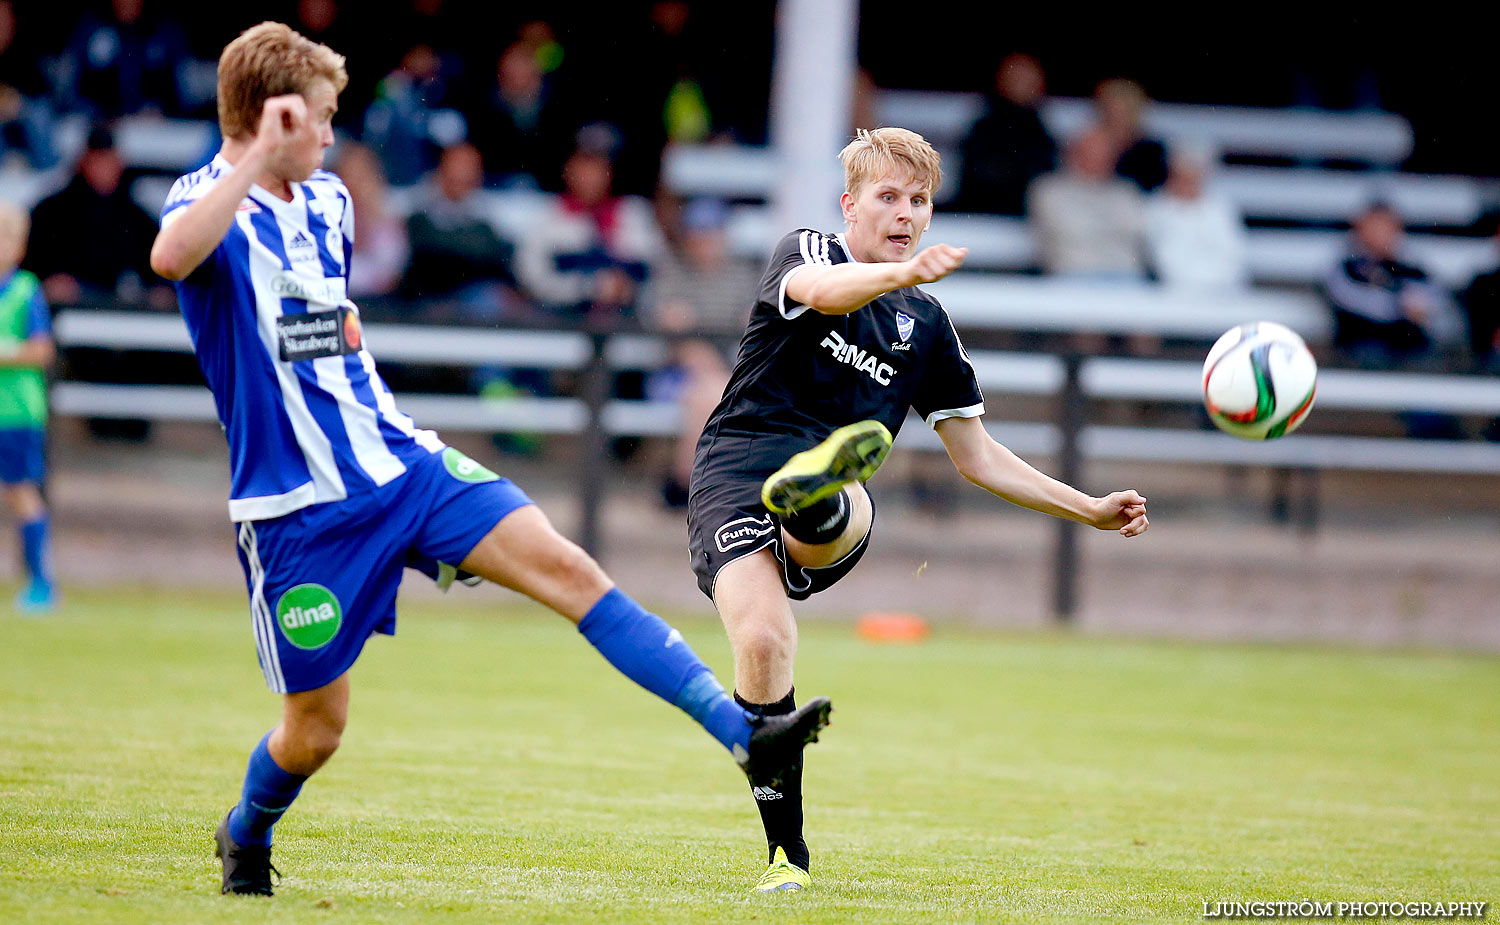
(496, 770)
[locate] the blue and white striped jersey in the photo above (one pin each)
(307, 416)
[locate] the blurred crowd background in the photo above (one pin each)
(531, 164)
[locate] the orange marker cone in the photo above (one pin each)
(892, 627)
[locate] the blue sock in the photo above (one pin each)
(652, 654)
(268, 792)
(34, 542)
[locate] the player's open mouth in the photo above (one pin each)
(902, 241)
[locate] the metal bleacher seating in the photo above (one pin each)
(1294, 255)
(1378, 139)
(1294, 195)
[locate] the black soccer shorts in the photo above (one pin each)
(727, 521)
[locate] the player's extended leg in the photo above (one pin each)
(312, 723)
(825, 538)
(25, 501)
(809, 482)
(752, 602)
(523, 552)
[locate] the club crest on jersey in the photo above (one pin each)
(742, 532)
(867, 363)
(904, 326)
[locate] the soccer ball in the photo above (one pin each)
(1259, 380)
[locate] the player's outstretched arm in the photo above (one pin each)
(849, 287)
(187, 240)
(35, 352)
(999, 471)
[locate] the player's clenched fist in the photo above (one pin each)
(936, 262)
(281, 119)
(1124, 511)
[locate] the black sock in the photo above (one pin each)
(821, 522)
(781, 807)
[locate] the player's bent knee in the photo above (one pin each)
(765, 642)
(304, 744)
(320, 745)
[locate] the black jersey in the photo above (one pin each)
(801, 374)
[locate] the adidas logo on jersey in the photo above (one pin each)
(766, 794)
(866, 363)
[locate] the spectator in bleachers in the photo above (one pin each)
(673, 74)
(1120, 105)
(91, 240)
(456, 253)
(1008, 146)
(1088, 221)
(1381, 303)
(700, 285)
(381, 248)
(25, 114)
(591, 254)
(1481, 305)
(127, 62)
(412, 117)
(521, 127)
(1195, 237)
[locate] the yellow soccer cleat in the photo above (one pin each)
(850, 454)
(782, 877)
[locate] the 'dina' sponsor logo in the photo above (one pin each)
(309, 616)
(465, 469)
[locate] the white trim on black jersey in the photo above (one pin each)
(972, 411)
(814, 254)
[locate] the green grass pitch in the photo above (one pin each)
(495, 769)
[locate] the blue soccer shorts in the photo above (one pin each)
(323, 579)
(23, 455)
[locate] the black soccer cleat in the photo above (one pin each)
(776, 744)
(247, 868)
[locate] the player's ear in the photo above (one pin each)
(846, 202)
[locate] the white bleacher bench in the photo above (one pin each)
(144, 141)
(1298, 256)
(1314, 195)
(1377, 138)
(1275, 255)
(1030, 303)
(442, 412)
(999, 373)
(1291, 193)
(399, 343)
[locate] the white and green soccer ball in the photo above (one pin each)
(1259, 381)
